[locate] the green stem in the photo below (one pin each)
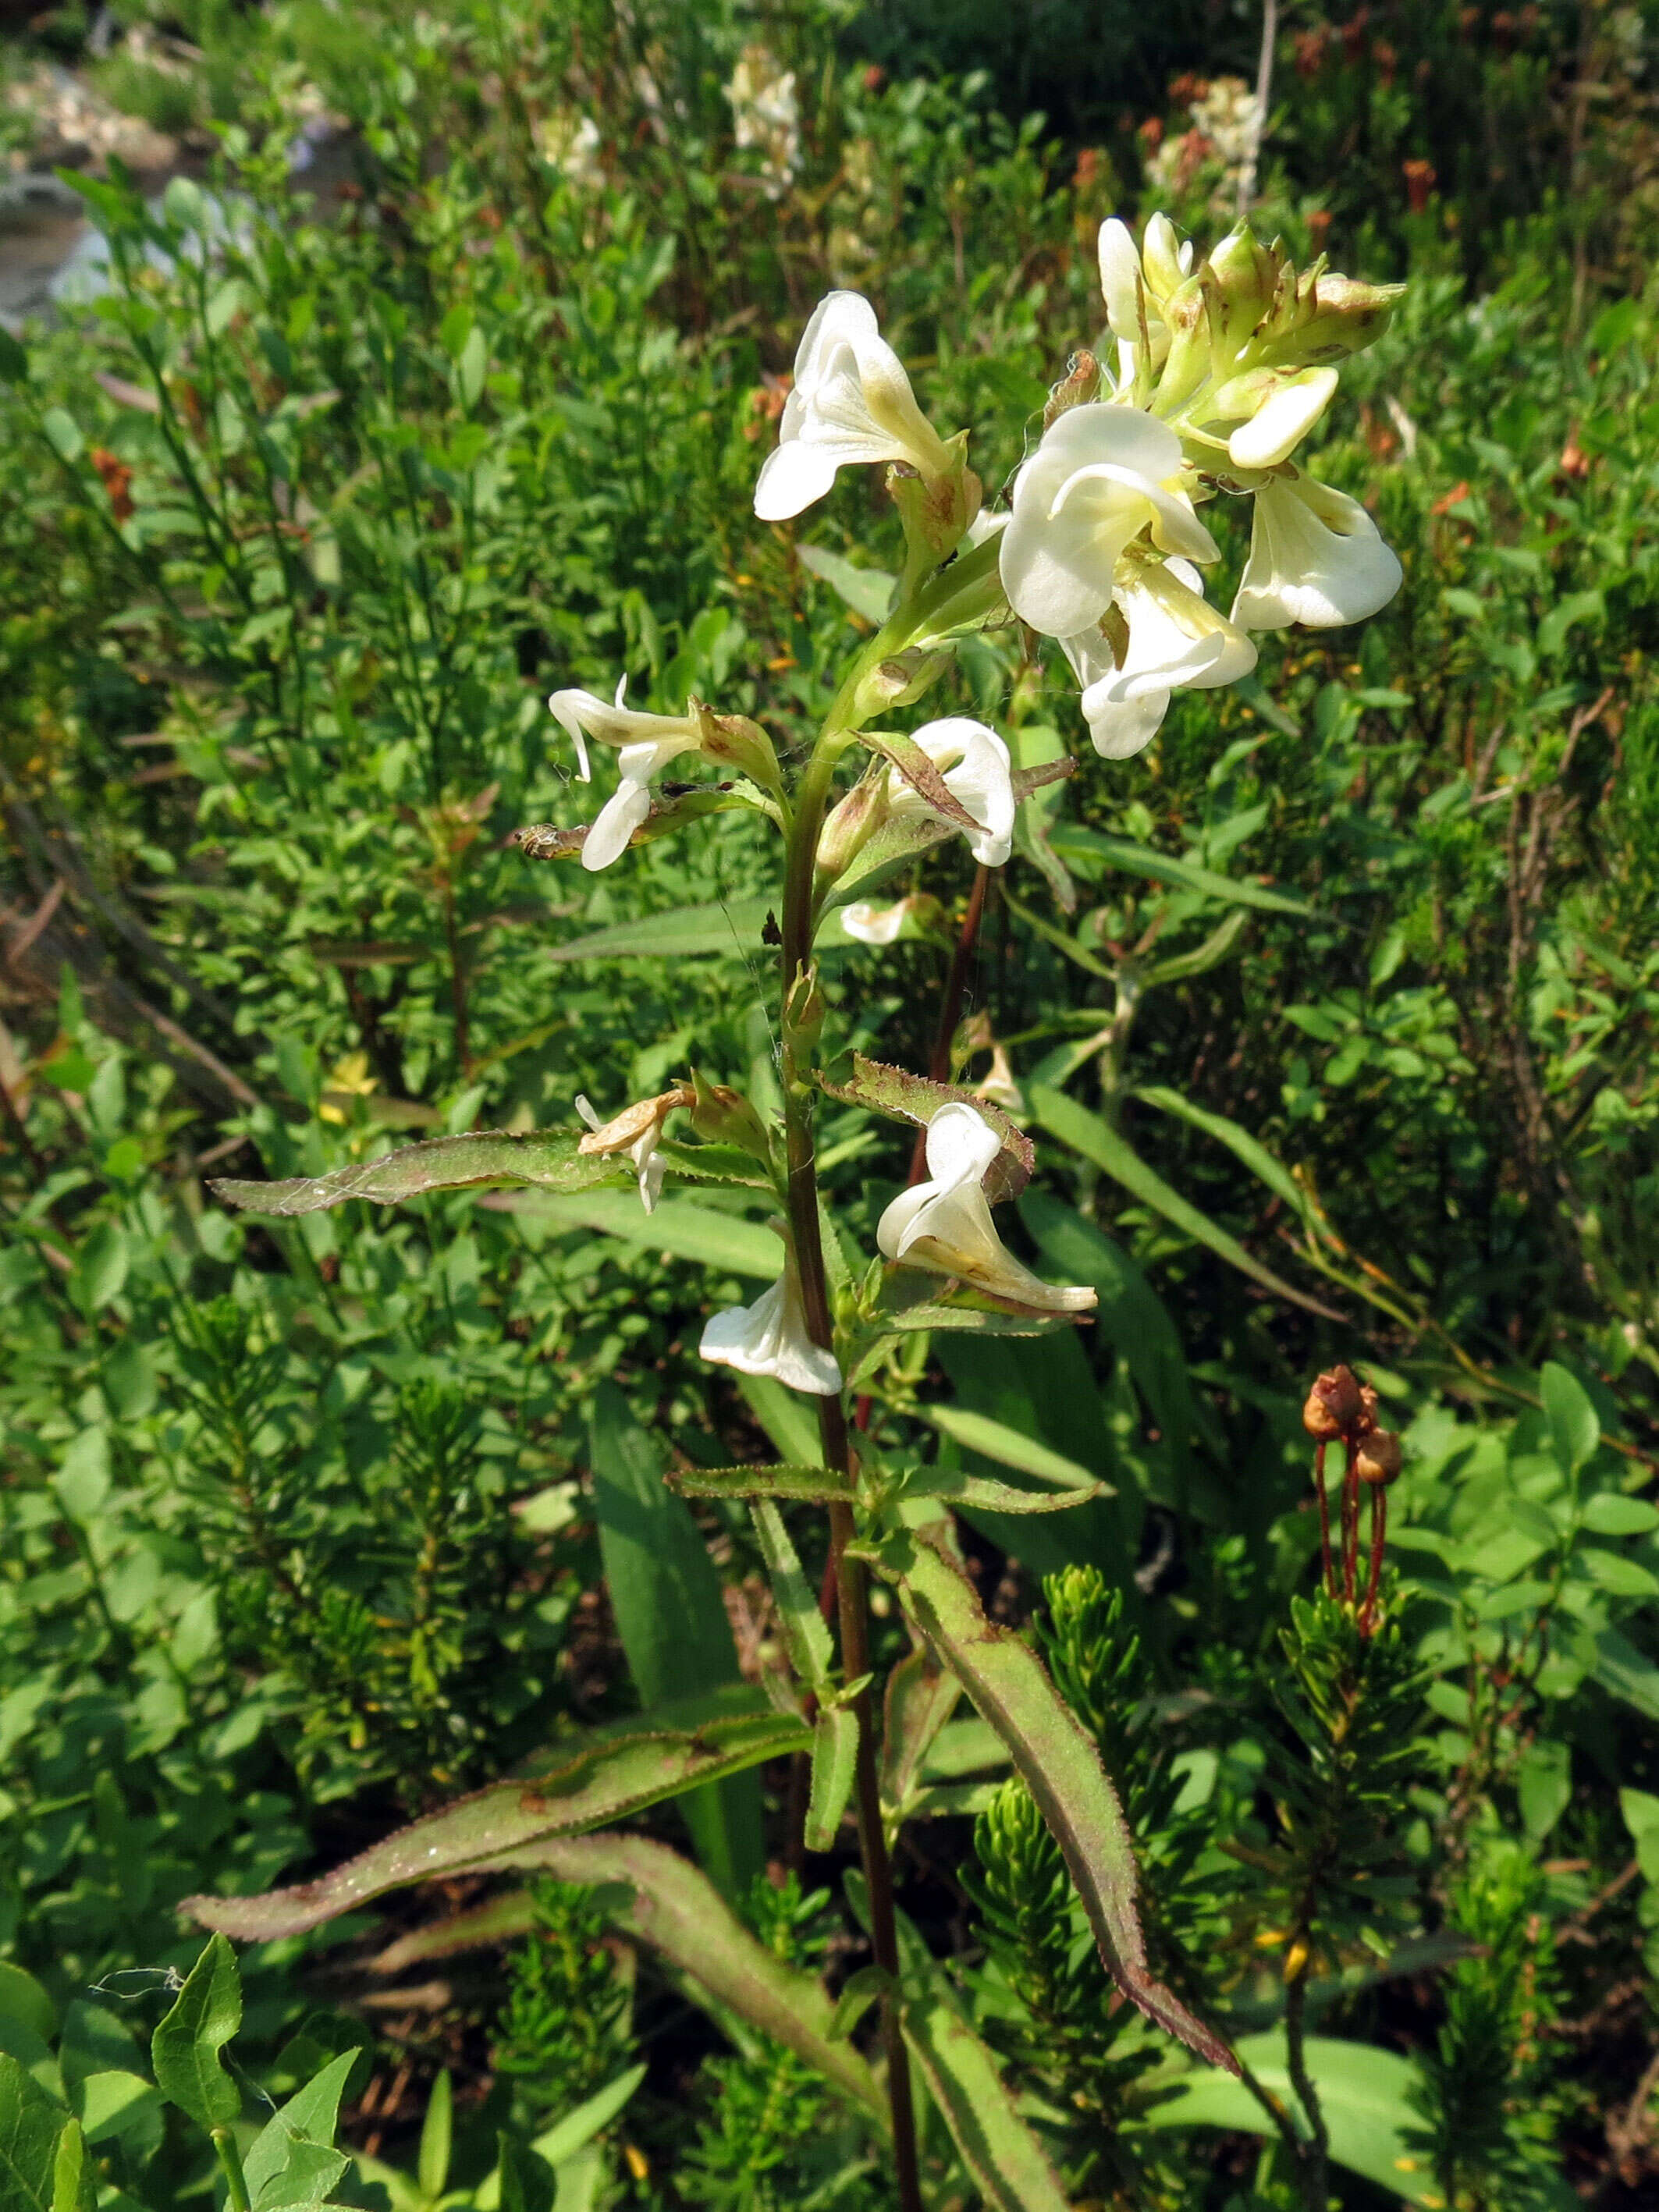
(231, 2159)
(807, 1241)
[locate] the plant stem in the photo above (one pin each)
(1314, 2153)
(807, 1242)
(231, 2159)
(1324, 1518)
(950, 1005)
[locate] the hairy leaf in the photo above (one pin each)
(604, 1780)
(835, 1759)
(1057, 1762)
(546, 1158)
(806, 1635)
(987, 1496)
(817, 1484)
(680, 1915)
(922, 1696)
(903, 1097)
(1005, 2160)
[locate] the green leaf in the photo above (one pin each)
(119, 2106)
(1607, 1514)
(732, 927)
(868, 591)
(805, 1634)
(1544, 1786)
(437, 2134)
(1576, 607)
(578, 2127)
(21, 1997)
(1008, 2166)
(834, 1761)
(903, 1097)
(671, 1616)
(858, 1992)
(982, 1493)
(72, 2186)
(677, 1913)
(611, 1774)
(817, 1484)
(185, 2049)
(1007, 1446)
(30, 2124)
(678, 1226)
(1627, 1672)
(547, 1160)
(282, 2165)
(1365, 2093)
(1072, 838)
(14, 362)
(100, 1268)
(922, 1696)
(1239, 1142)
(1088, 1134)
(63, 434)
(1575, 1431)
(1056, 1760)
(528, 2183)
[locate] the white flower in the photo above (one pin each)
(1102, 474)
(851, 401)
(1316, 557)
(980, 780)
(766, 115)
(872, 924)
(645, 743)
(1176, 642)
(636, 1131)
(1278, 426)
(1156, 270)
(944, 1224)
(770, 1337)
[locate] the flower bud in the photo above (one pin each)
(722, 1116)
(736, 742)
(1334, 1406)
(804, 1010)
(849, 825)
(1380, 1459)
(901, 681)
(1245, 277)
(1333, 316)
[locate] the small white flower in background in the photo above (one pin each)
(1223, 124)
(645, 743)
(571, 143)
(766, 115)
(980, 778)
(944, 1224)
(851, 402)
(872, 924)
(1177, 641)
(770, 1337)
(1101, 475)
(1316, 557)
(637, 1131)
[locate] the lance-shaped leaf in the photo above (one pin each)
(818, 1485)
(1086, 1133)
(922, 1696)
(1073, 839)
(548, 1158)
(834, 1760)
(903, 1097)
(1008, 2164)
(1056, 1760)
(678, 1913)
(922, 775)
(503, 1919)
(805, 1634)
(731, 925)
(996, 1440)
(980, 1492)
(605, 1778)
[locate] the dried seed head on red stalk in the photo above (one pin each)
(1370, 1406)
(1335, 1406)
(1380, 1459)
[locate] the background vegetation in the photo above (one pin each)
(302, 516)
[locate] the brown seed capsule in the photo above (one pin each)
(1380, 1458)
(1370, 1406)
(1335, 1404)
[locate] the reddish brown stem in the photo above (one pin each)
(1349, 1524)
(950, 1007)
(1379, 1530)
(1324, 1520)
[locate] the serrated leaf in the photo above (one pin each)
(817, 1484)
(805, 1634)
(1056, 1760)
(545, 1159)
(1088, 1134)
(903, 1097)
(984, 1494)
(834, 1760)
(922, 1695)
(677, 1913)
(1003, 2159)
(611, 1774)
(184, 2051)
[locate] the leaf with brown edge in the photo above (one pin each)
(607, 1776)
(1053, 1755)
(903, 1097)
(922, 775)
(922, 1696)
(1010, 2168)
(501, 1919)
(679, 1914)
(548, 1160)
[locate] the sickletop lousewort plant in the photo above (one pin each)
(1211, 372)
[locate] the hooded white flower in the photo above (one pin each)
(979, 779)
(645, 743)
(1177, 641)
(1280, 423)
(1316, 557)
(1102, 474)
(851, 401)
(770, 1337)
(636, 1131)
(944, 1224)
(1156, 270)
(872, 924)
